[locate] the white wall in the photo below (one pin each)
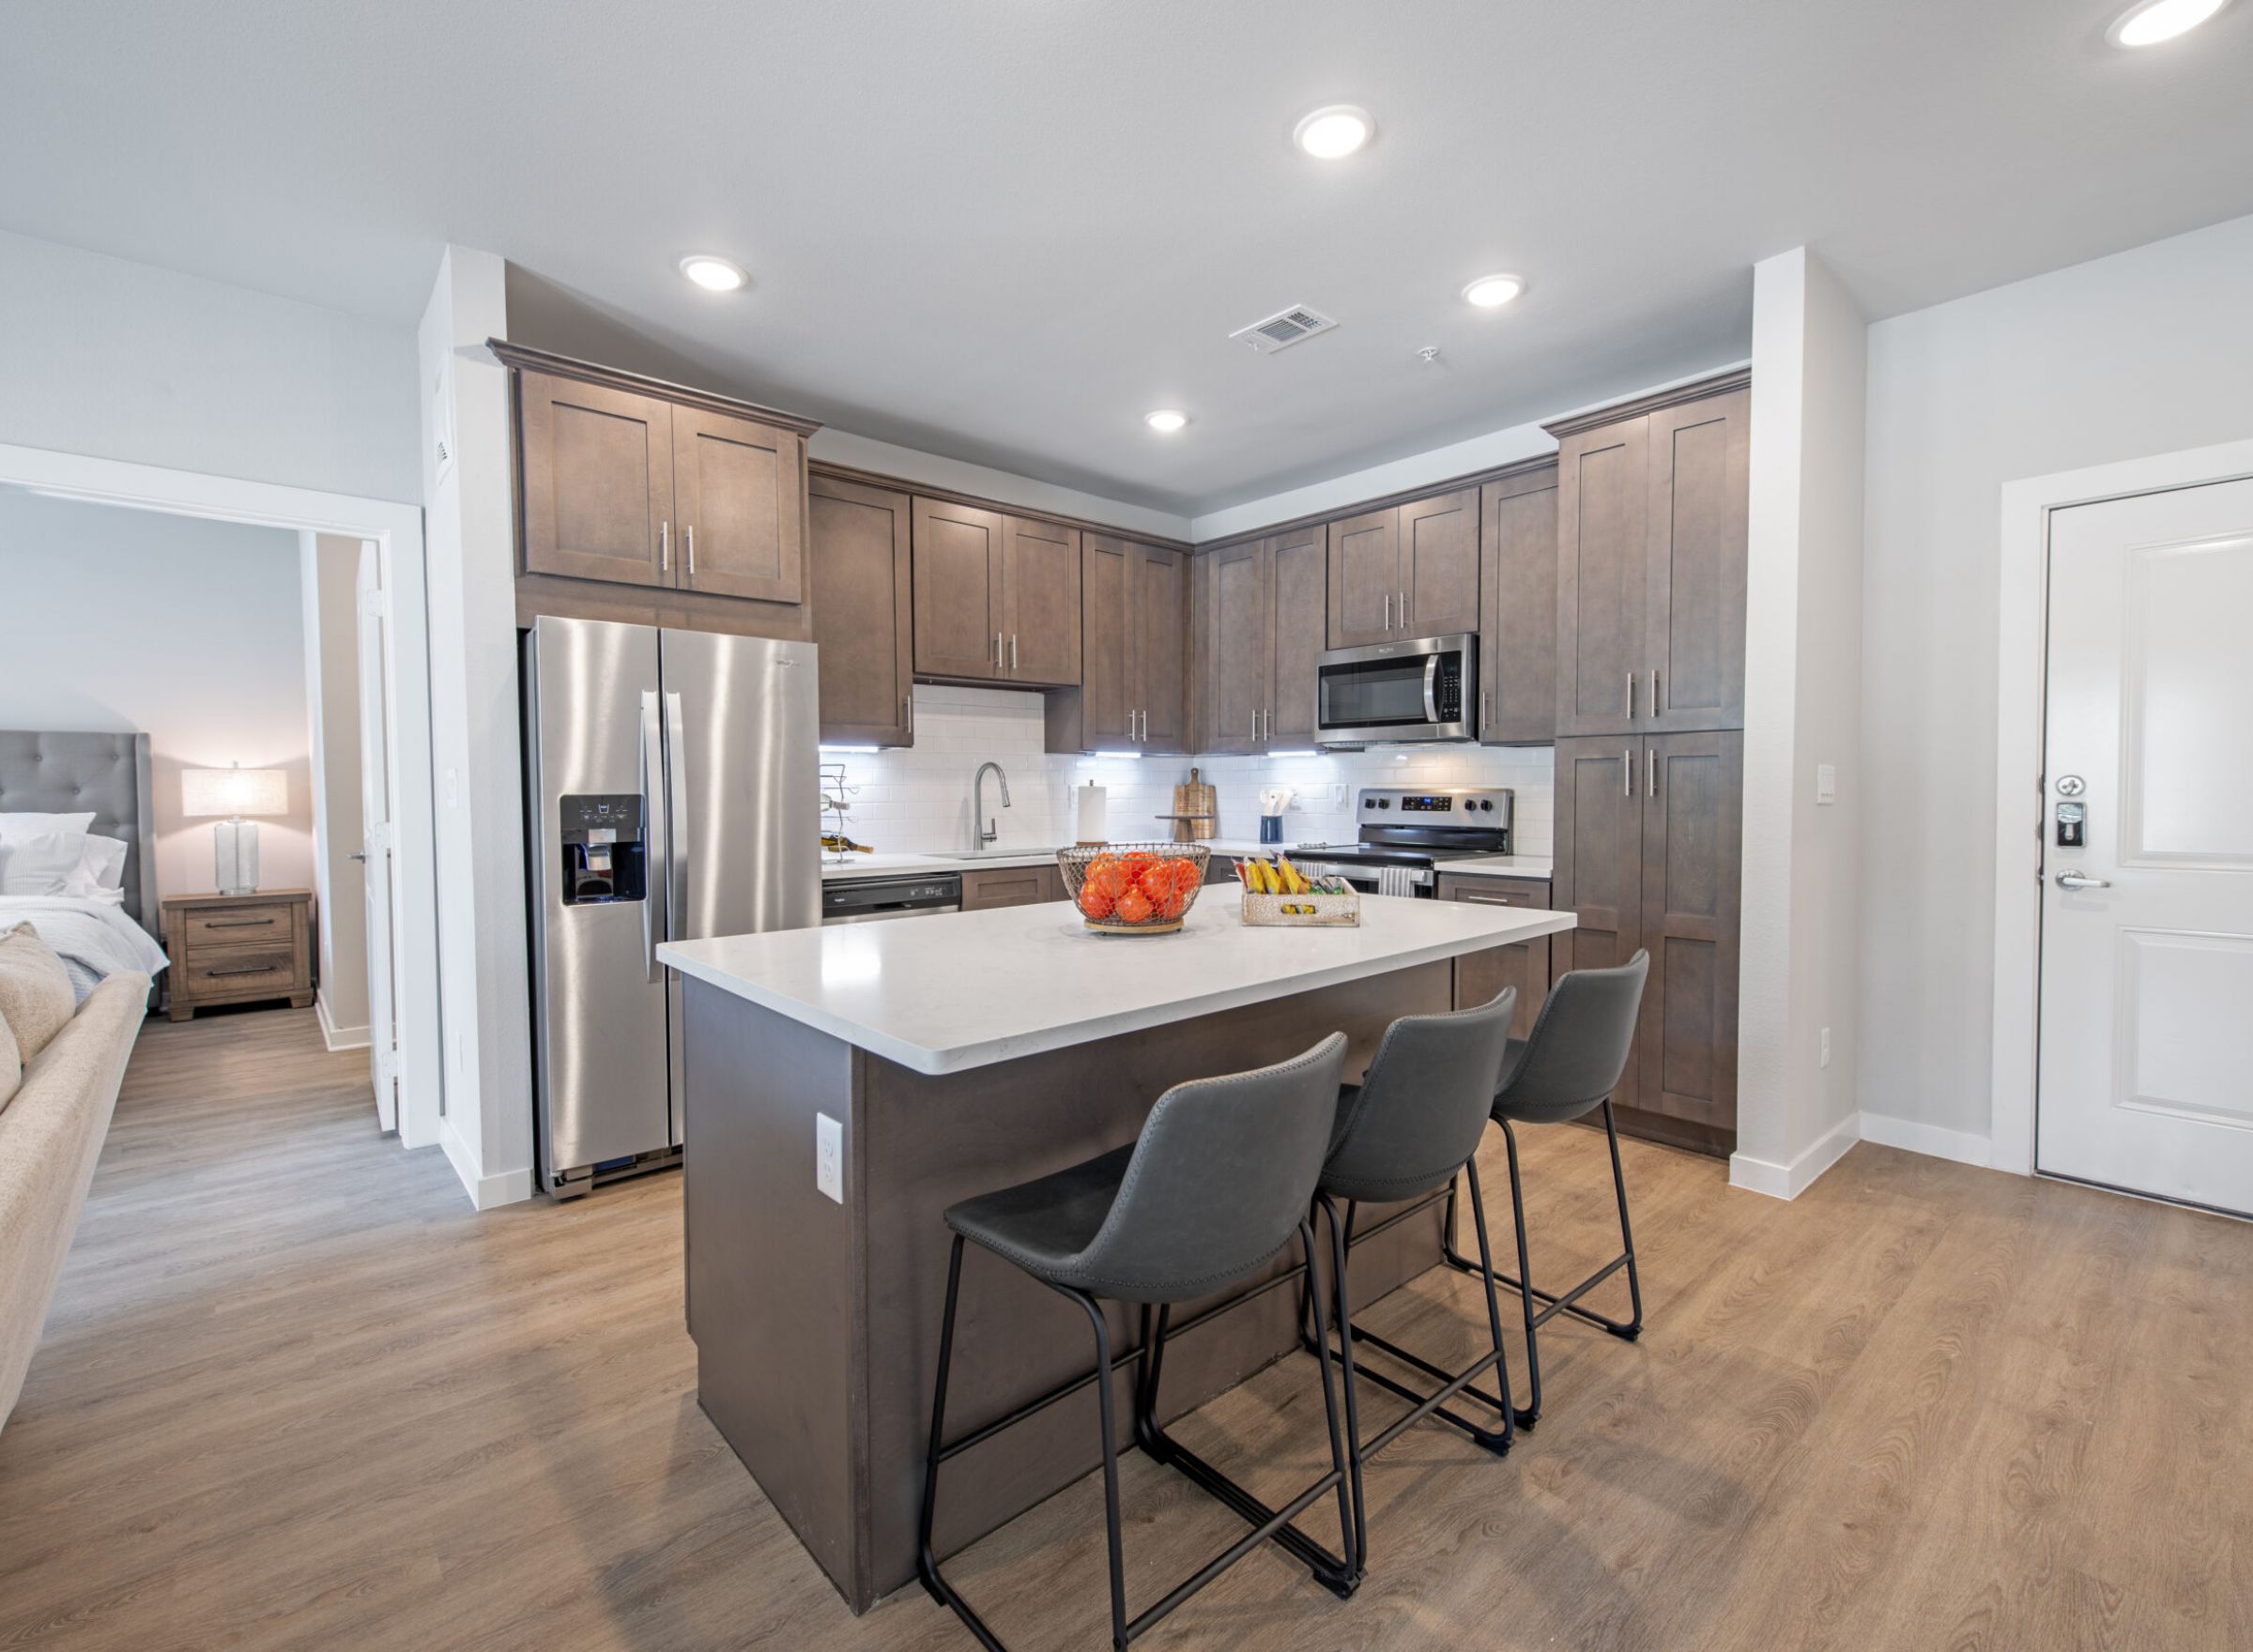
(126, 360)
(2149, 351)
(919, 799)
(1802, 687)
(187, 630)
(328, 569)
(468, 529)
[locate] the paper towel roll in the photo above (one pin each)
(1090, 799)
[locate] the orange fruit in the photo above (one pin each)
(1096, 902)
(1134, 907)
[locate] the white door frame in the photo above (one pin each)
(397, 531)
(2021, 681)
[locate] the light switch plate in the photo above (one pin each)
(829, 1158)
(1826, 782)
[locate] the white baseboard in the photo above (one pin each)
(1778, 1181)
(486, 1192)
(1936, 1140)
(337, 1037)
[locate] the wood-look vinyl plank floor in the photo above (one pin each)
(293, 1394)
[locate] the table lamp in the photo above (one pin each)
(234, 792)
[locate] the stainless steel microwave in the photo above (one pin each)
(1395, 692)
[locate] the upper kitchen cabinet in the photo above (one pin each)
(1650, 580)
(997, 597)
(1040, 603)
(1517, 599)
(738, 487)
(1133, 693)
(957, 579)
(1261, 618)
(862, 612)
(1405, 571)
(646, 501)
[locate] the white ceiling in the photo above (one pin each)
(1003, 229)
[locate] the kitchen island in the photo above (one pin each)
(945, 1057)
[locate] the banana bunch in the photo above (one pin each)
(1280, 876)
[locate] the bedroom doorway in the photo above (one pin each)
(394, 532)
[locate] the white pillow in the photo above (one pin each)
(101, 873)
(42, 863)
(20, 825)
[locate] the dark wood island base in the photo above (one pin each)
(817, 1322)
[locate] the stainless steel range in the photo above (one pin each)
(1408, 832)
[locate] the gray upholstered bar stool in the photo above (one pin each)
(1405, 1132)
(1568, 1066)
(1218, 1183)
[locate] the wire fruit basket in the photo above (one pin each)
(1134, 888)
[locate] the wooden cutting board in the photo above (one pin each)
(1196, 811)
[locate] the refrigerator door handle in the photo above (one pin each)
(676, 815)
(660, 834)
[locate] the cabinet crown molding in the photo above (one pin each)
(529, 359)
(1696, 390)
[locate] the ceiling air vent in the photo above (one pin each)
(1282, 329)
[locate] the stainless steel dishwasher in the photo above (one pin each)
(908, 894)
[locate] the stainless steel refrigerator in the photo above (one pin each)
(673, 792)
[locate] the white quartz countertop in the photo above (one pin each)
(892, 866)
(939, 994)
(1500, 867)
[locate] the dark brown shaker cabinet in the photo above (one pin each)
(1651, 506)
(1405, 571)
(861, 609)
(957, 557)
(657, 503)
(1040, 602)
(1297, 575)
(597, 480)
(1650, 855)
(1133, 692)
(1524, 964)
(1235, 647)
(1517, 599)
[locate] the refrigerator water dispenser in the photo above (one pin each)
(605, 853)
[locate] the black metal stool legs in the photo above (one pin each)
(1420, 1405)
(1569, 1302)
(1341, 1577)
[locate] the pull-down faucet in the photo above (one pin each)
(988, 831)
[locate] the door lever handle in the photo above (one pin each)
(2071, 879)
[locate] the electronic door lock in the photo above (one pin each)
(2072, 822)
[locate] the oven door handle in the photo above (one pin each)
(1432, 688)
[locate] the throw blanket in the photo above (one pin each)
(92, 938)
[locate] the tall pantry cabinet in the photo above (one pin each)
(1651, 505)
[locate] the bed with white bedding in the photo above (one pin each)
(101, 914)
(93, 937)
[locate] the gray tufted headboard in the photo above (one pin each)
(64, 773)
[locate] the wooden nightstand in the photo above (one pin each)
(238, 948)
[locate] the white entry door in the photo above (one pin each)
(2147, 926)
(375, 838)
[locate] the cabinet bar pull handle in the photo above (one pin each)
(1013, 651)
(1404, 607)
(1627, 773)
(1654, 691)
(665, 547)
(247, 969)
(238, 923)
(690, 533)
(1650, 771)
(997, 650)
(1630, 696)
(1388, 610)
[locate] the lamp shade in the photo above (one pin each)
(233, 791)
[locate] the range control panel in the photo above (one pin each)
(1450, 805)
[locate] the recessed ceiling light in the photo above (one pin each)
(1490, 291)
(713, 273)
(2152, 21)
(1335, 131)
(1166, 421)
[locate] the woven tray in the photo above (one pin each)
(1312, 912)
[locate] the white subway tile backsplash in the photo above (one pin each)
(919, 799)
